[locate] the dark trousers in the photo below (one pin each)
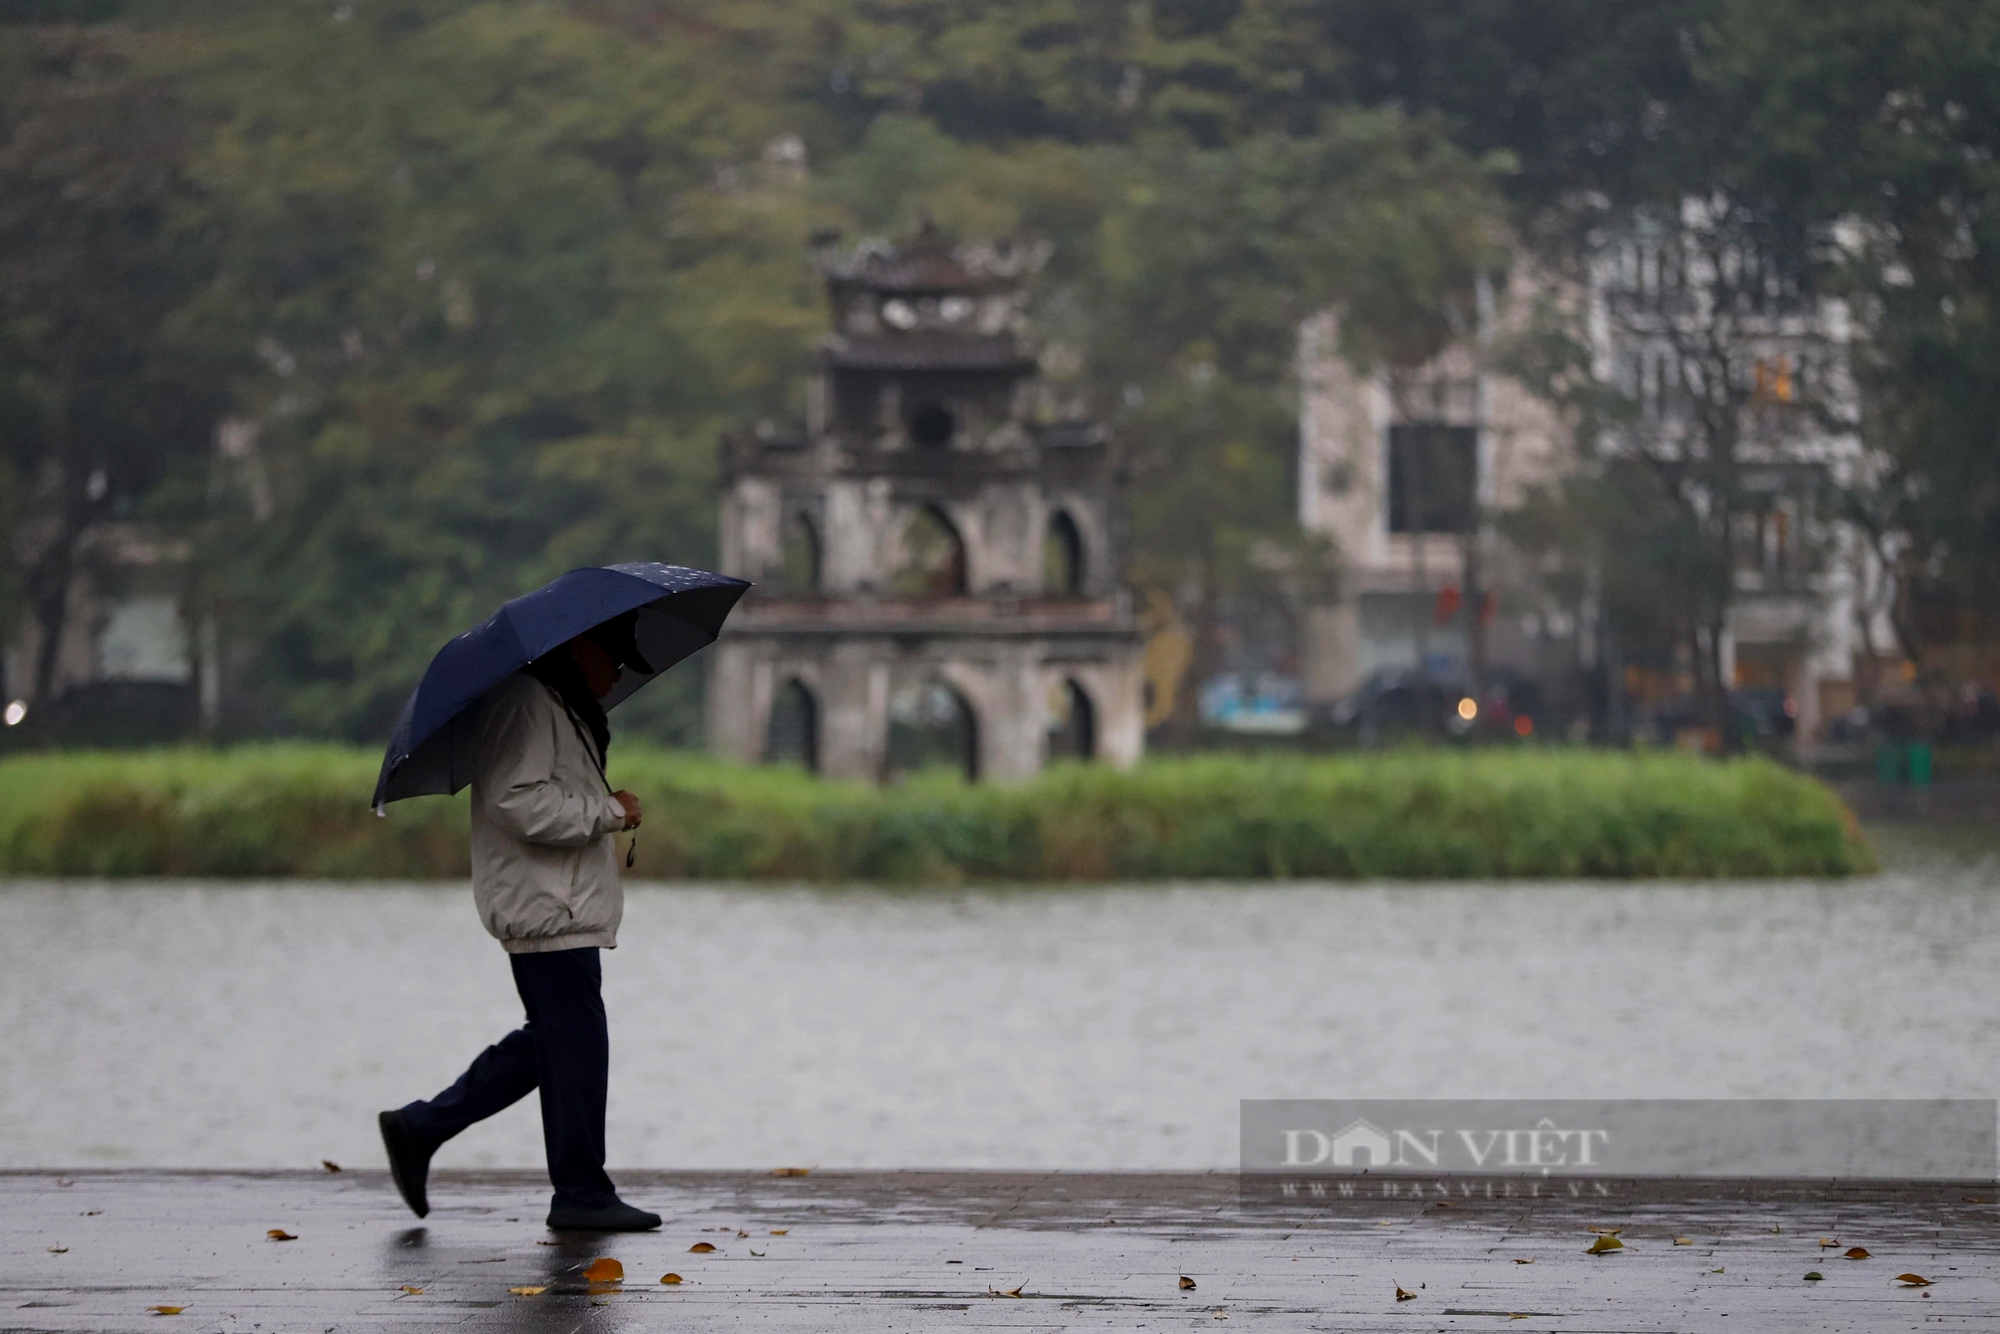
(565, 1051)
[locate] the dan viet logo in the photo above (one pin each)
(1362, 1145)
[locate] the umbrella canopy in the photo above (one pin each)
(679, 610)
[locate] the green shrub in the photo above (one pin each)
(293, 810)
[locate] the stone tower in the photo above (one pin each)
(937, 557)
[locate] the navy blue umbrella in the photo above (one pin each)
(679, 610)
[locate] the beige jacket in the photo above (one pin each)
(544, 861)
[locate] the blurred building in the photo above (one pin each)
(1398, 468)
(126, 669)
(1403, 469)
(937, 554)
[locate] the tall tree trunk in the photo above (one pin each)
(1717, 710)
(54, 572)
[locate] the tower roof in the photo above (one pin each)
(928, 304)
(928, 264)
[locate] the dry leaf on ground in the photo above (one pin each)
(58, 1249)
(1403, 1294)
(1814, 1276)
(790, 1171)
(1683, 1241)
(604, 1269)
(1187, 1283)
(1856, 1252)
(329, 1164)
(742, 1233)
(279, 1234)
(1530, 1260)
(529, 1291)
(700, 1248)
(414, 1292)
(1913, 1280)
(779, 1231)
(166, 1310)
(1604, 1245)
(1011, 1292)
(670, 1279)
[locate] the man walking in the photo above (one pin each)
(545, 879)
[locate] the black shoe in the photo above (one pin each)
(615, 1217)
(409, 1161)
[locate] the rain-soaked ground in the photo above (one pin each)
(943, 1251)
(263, 1025)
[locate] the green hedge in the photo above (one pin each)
(290, 810)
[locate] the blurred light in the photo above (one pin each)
(1468, 708)
(15, 712)
(1524, 726)
(1791, 707)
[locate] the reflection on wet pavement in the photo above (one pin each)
(919, 1251)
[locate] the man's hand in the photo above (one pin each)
(631, 805)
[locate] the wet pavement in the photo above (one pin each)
(98, 1250)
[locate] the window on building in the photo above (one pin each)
(931, 726)
(1433, 478)
(932, 425)
(799, 565)
(793, 734)
(933, 557)
(1072, 732)
(1062, 558)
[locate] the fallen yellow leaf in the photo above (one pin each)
(779, 1231)
(1719, 1271)
(1604, 1244)
(1404, 1294)
(1855, 1253)
(1913, 1280)
(166, 1310)
(529, 1292)
(1530, 1260)
(1825, 1242)
(1683, 1241)
(279, 1234)
(700, 1248)
(670, 1279)
(1011, 1292)
(604, 1270)
(790, 1171)
(1186, 1283)
(414, 1292)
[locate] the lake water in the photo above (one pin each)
(264, 1025)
